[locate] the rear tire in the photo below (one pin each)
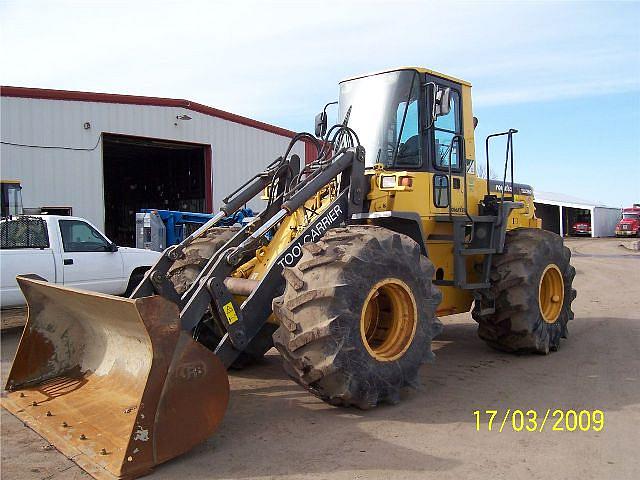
(184, 272)
(532, 292)
(357, 316)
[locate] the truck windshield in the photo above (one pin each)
(383, 110)
(631, 216)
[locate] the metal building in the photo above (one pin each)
(104, 156)
(559, 212)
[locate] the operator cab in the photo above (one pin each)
(407, 119)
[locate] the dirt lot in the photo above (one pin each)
(274, 429)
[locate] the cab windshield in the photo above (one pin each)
(383, 111)
(631, 216)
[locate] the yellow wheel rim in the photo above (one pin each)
(551, 293)
(388, 320)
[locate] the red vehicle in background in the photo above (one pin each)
(629, 224)
(582, 225)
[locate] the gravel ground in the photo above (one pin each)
(274, 429)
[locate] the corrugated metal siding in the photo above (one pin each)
(56, 177)
(604, 221)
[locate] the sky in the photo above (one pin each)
(565, 74)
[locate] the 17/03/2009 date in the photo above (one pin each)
(532, 421)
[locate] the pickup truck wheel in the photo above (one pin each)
(135, 279)
(184, 272)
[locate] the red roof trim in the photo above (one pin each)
(49, 94)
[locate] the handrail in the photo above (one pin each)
(510, 133)
(508, 158)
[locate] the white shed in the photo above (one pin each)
(104, 156)
(560, 212)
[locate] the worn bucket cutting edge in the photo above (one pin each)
(113, 383)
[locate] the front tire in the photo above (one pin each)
(357, 316)
(186, 269)
(531, 291)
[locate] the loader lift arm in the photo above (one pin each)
(209, 289)
(155, 281)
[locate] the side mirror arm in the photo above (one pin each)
(321, 121)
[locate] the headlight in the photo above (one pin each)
(388, 182)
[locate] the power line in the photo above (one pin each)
(54, 147)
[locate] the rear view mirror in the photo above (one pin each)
(321, 124)
(442, 101)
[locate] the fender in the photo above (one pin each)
(406, 223)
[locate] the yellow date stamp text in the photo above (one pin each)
(556, 420)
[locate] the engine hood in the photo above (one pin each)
(140, 253)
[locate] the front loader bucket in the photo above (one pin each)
(113, 383)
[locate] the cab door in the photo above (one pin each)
(89, 260)
(448, 156)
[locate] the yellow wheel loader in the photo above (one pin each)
(345, 272)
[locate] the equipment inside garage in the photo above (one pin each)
(576, 216)
(561, 213)
(145, 173)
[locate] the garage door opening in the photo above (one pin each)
(550, 215)
(148, 173)
(577, 221)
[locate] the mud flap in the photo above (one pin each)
(113, 383)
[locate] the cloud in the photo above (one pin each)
(280, 61)
(556, 91)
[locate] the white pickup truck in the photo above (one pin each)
(69, 251)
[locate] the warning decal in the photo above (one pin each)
(230, 313)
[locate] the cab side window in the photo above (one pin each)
(447, 147)
(78, 236)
